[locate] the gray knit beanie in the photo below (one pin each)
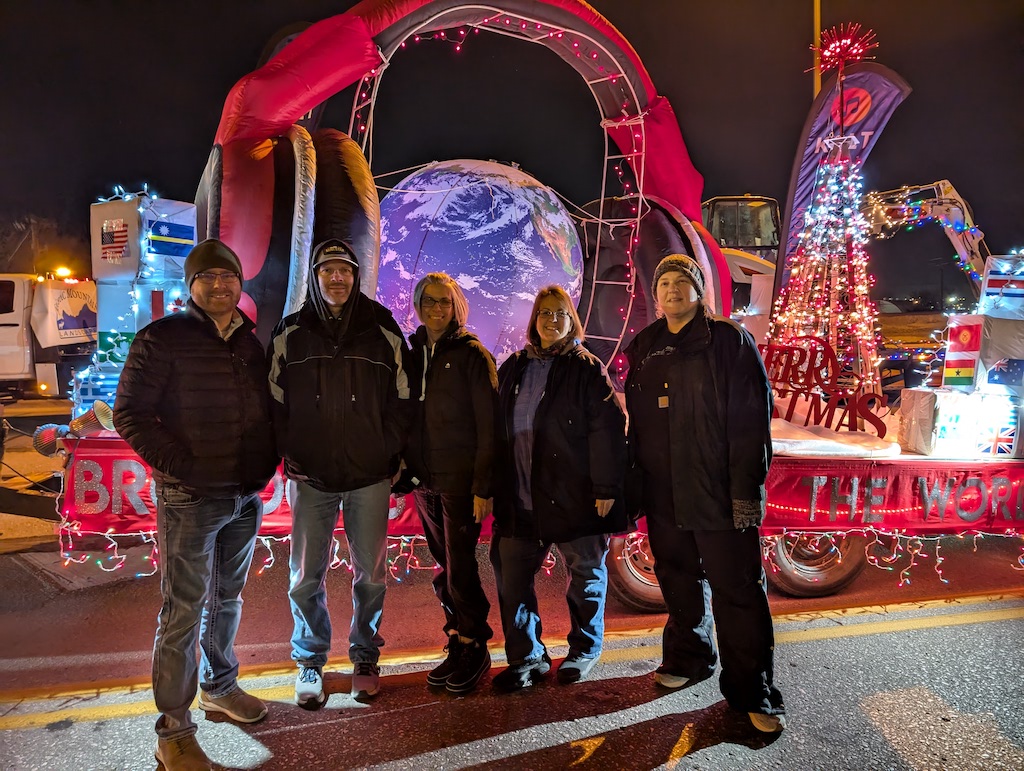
(211, 253)
(685, 265)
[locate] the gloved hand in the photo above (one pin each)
(405, 483)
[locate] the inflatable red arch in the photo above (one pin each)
(236, 195)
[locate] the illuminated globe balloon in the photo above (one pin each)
(497, 231)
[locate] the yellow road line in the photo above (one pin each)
(284, 693)
(899, 625)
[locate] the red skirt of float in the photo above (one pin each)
(109, 490)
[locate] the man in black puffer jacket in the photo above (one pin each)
(193, 403)
(341, 413)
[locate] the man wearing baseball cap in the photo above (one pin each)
(338, 378)
(193, 402)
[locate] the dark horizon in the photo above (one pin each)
(106, 93)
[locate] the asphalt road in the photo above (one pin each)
(923, 676)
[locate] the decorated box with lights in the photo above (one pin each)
(1002, 288)
(952, 424)
(139, 245)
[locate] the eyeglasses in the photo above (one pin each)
(343, 271)
(430, 302)
(553, 315)
(211, 278)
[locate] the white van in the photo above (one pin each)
(64, 313)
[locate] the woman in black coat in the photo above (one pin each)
(560, 472)
(449, 455)
(700, 414)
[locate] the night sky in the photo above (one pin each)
(101, 93)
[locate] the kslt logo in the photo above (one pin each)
(857, 104)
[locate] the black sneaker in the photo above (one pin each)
(438, 676)
(474, 661)
(519, 676)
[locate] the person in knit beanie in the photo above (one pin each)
(685, 265)
(700, 409)
(209, 254)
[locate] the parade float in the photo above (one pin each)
(277, 182)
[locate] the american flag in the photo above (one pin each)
(114, 240)
(999, 442)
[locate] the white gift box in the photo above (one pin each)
(952, 424)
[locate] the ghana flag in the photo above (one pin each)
(958, 372)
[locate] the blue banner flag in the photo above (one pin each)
(170, 238)
(871, 93)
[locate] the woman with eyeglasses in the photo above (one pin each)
(561, 463)
(449, 463)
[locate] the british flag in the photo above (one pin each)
(999, 442)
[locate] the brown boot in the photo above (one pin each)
(181, 754)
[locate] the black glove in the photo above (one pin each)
(405, 484)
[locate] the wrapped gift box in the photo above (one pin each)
(1000, 368)
(951, 424)
(916, 431)
(964, 335)
(1002, 288)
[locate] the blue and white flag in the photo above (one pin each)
(170, 238)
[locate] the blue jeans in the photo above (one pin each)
(516, 562)
(314, 517)
(206, 547)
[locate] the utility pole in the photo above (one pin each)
(817, 48)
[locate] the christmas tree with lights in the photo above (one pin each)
(827, 295)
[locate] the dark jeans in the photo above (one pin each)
(516, 562)
(694, 566)
(206, 546)
(452, 534)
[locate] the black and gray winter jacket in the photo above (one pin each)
(340, 392)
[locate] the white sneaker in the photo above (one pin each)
(668, 680)
(309, 688)
(767, 724)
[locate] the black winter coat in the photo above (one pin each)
(700, 423)
(579, 452)
(451, 444)
(340, 398)
(196, 407)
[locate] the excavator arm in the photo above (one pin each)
(889, 210)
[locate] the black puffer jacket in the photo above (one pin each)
(196, 407)
(451, 444)
(700, 423)
(341, 394)
(579, 451)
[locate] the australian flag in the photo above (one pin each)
(1007, 372)
(170, 238)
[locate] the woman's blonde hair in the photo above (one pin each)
(576, 328)
(460, 306)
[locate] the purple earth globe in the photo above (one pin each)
(497, 231)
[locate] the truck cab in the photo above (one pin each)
(66, 312)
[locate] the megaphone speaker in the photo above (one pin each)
(46, 438)
(99, 418)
